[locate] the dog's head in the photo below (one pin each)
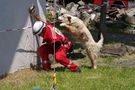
(68, 19)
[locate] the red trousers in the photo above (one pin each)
(60, 57)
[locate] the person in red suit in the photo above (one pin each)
(54, 42)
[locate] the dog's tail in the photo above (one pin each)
(100, 42)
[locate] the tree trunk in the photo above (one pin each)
(102, 25)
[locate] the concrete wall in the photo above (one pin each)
(17, 48)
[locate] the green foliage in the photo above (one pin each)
(49, 17)
(53, 19)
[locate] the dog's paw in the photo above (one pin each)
(94, 67)
(63, 24)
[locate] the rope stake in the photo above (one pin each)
(54, 82)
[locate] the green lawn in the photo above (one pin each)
(106, 77)
(103, 78)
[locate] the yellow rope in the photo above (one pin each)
(54, 81)
(54, 74)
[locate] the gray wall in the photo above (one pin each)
(17, 48)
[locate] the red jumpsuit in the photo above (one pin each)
(50, 37)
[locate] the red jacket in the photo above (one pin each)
(52, 35)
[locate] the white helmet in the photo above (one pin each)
(38, 27)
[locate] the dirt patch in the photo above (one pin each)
(117, 49)
(24, 74)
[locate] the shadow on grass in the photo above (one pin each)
(3, 76)
(57, 69)
(75, 56)
(60, 69)
(86, 66)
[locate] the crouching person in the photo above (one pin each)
(52, 36)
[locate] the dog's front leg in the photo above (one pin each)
(84, 37)
(63, 24)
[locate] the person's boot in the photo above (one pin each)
(47, 66)
(78, 70)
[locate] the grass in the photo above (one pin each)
(103, 78)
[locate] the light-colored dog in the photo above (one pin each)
(76, 27)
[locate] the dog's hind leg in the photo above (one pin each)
(92, 57)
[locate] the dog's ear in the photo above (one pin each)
(69, 19)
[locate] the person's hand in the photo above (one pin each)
(32, 10)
